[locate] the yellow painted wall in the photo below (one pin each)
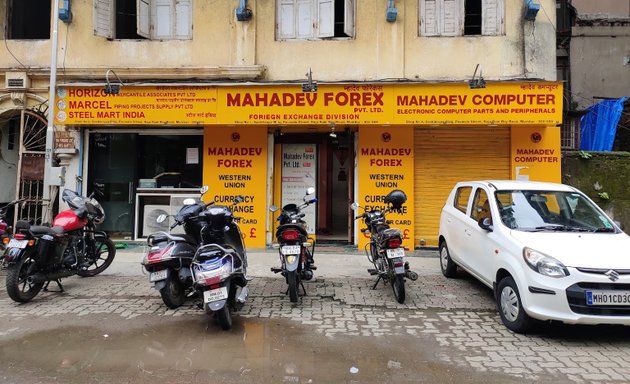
(381, 50)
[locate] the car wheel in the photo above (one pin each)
(448, 267)
(511, 308)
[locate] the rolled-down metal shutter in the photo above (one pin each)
(444, 156)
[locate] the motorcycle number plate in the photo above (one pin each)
(215, 295)
(159, 275)
(290, 249)
(395, 253)
(13, 243)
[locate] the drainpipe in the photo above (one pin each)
(51, 174)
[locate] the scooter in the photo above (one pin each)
(219, 267)
(385, 248)
(170, 255)
(5, 228)
(295, 247)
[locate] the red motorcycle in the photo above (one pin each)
(37, 255)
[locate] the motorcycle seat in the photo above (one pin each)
(165, 236)
(40, 230)
(392, 232)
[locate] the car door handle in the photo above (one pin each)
(467, 232)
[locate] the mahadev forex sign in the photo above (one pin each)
(386, 162)
(235, 163)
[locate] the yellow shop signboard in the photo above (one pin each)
(386, 163)
(235, 163)
(500, 103)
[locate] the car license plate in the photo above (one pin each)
(608, 297)
(13, 243)
(159, 275)
(395, 253)
(290, 249)
(215, 295)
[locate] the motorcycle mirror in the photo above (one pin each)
(161, 218)
(189, 201)
(273, 208)
(239, 199)
(354, 206)
(310, 190)
(203, 189)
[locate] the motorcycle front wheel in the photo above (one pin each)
(292, 280)
(173, 294)
(101, 256)
(398, 284)
(18, 287)
(224, 317)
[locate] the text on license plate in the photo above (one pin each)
(159, 275)
(608, 298)
(290, 250)
(13, 243)
(215, 295)
(394, 253)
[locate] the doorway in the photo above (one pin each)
(331, 173)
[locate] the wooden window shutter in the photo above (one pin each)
(429, 18)
(103, 18)
(492, 17)
(348, 19)
(164, 20)
(325, 18)
(143, 22)
(183, 19)
(285, 24)
(451, 23)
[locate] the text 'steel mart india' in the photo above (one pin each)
(420, 138)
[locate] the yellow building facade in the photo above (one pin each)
(263, 109)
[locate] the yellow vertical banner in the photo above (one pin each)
(536, 154)
(235, 163)
(385, 162)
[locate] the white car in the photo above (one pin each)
(547, 250)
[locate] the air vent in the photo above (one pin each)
(17, 81)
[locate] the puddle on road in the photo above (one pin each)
(261, 351)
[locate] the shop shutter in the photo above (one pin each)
(444, 156)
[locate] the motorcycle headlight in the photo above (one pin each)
(211, 273)
(543, 264)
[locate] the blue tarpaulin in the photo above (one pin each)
(599, 126)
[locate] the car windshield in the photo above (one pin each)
(531, 210)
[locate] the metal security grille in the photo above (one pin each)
(445, 155)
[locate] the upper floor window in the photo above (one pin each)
(461, 17)
(314, 19)
(27, 19)
(151, 19)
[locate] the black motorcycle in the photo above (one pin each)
(219, 267)
(295, 247)
(170, 255)
(385, 248)
(37, 255)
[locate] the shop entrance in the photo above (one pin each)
(331, 173)
(141, 175)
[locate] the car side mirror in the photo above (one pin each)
(620, 225)
(486, 224)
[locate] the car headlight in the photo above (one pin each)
(543, 264)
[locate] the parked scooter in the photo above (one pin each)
(385, 249)
(219, 266)
(295, 247)
(37, 255)
(170, 255)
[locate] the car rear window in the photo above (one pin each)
(461, 198)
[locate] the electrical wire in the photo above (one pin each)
(6, 26)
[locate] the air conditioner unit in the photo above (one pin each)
(17, 81)
(149, 219)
